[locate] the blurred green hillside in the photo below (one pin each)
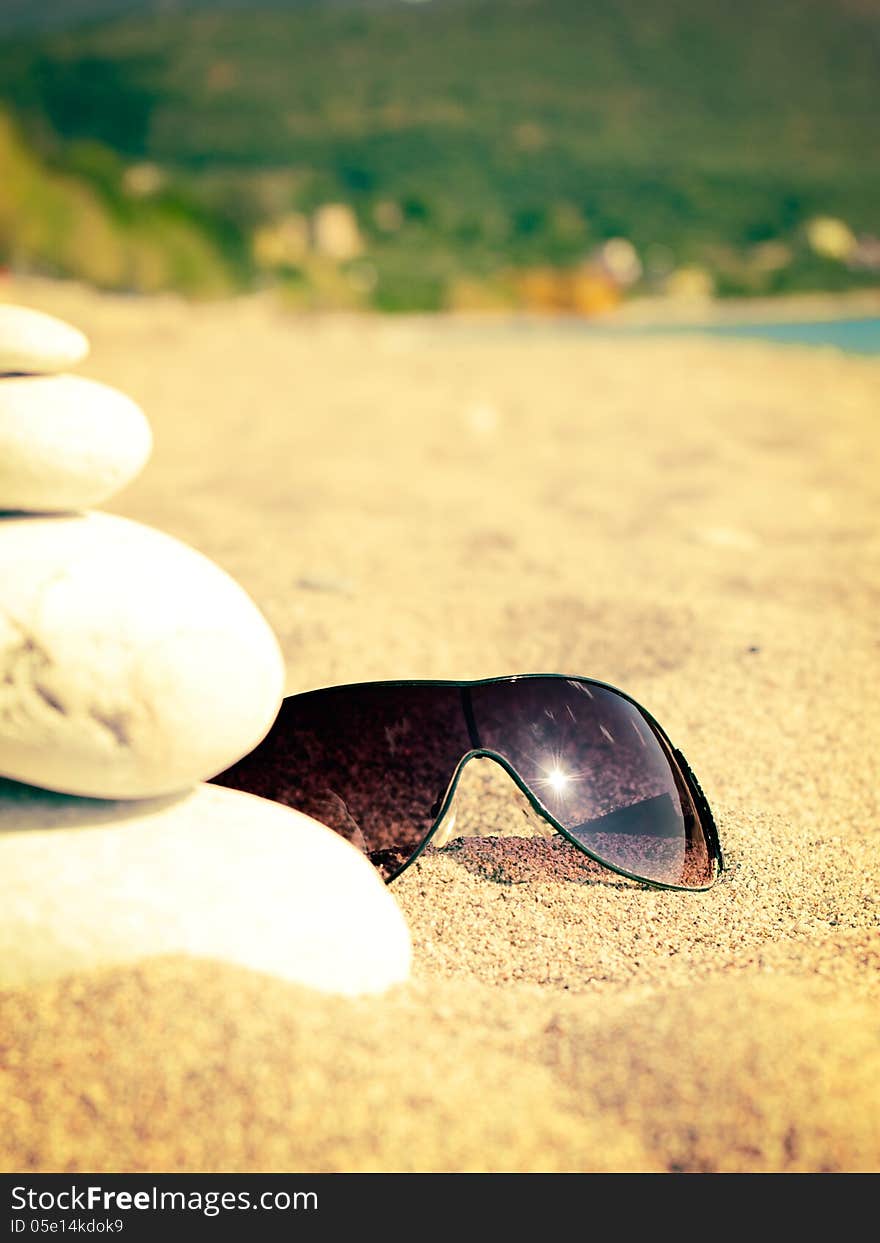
(471, 152)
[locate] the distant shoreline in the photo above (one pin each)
(646, 312)
(795, 308)
(636, 313)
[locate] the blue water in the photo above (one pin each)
(853, 336)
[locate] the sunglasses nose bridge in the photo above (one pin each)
(541, 827)
(444, 807)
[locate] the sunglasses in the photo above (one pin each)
(379, 762)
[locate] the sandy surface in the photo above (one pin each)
(695, 522)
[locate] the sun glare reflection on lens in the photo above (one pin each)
(556, 777)
(557, 780)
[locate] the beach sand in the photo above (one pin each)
(693, 521)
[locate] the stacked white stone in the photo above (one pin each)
(133, 668)
(65, 442)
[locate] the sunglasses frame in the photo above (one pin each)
(701, 805)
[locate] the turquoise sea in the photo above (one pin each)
(853, 336)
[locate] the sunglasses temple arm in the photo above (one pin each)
(702, 804)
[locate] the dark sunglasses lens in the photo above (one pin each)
(596, 763)
(373, 762)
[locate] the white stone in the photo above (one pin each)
(33, 341)
(66, 442)
(215, 874)
(130, 665)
